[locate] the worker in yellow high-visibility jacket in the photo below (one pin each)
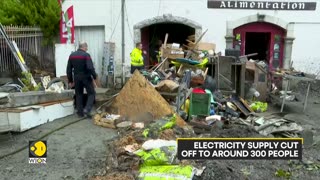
(137, 61)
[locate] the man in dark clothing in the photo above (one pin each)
(81, 72)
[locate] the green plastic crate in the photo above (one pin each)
(199, 105)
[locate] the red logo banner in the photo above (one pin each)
(66, 25)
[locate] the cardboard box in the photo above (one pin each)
(251, 65)
(173, 46)
(203, 46)
(172, 53)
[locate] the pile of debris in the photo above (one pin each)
(176, 60)
(142, 152)
(137, 100)
(157, 106)
(148, 128)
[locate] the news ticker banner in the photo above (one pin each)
(239, 148)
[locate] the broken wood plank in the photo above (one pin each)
(192, 37)
(162, 65)
(105, 123)
(164, 45)
(196, 43)
(154, 68)
(241, 106)
(165, 40)
(205, 74)
(190, 42)
(189, 47)
(246, 105)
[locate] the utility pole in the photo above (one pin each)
(123, 40)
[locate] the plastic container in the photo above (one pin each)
(199, 105)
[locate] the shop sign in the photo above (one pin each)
(262, 5)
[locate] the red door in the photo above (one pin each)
(145, 45)
(276, 41)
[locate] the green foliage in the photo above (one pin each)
(26, 80)
(43, 13)
(308, 165)
(283, 174)
(6, 11)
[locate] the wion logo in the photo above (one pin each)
(37, 152)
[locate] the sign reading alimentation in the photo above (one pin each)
(240, 148)
(263, 5)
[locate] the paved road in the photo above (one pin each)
(74, 152)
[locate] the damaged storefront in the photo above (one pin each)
(268, 28)
(211, 69)
(159, 105)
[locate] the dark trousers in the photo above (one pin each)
(133, 68)
(82, 82)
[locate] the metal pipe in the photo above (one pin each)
(123, 39)
(304, 22)
(218, 60)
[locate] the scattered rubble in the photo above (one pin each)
(114, 176)
(158, 106)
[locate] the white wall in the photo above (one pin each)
(106, 12)
(62, 52)
(94, 36)
(306, 49)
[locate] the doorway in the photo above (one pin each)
(258, 42)
(153, 36)
(94, 36)
(263, 38)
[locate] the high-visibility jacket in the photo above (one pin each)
(136, 57)
(159, 56)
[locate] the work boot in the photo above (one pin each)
(87, 114)
(80, 115)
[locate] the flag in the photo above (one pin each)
(66, 25)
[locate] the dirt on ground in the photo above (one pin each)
(307, 168)
(77, 151)
(234, 131)
(114, 176)
(84, 150)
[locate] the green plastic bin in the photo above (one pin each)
(199, 105)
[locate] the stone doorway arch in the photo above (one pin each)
(288, 27)
(149, 31)
(166, 18)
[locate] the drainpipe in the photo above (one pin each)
(123, 41)
(304, 22)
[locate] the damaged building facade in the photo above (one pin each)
(279, 31)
